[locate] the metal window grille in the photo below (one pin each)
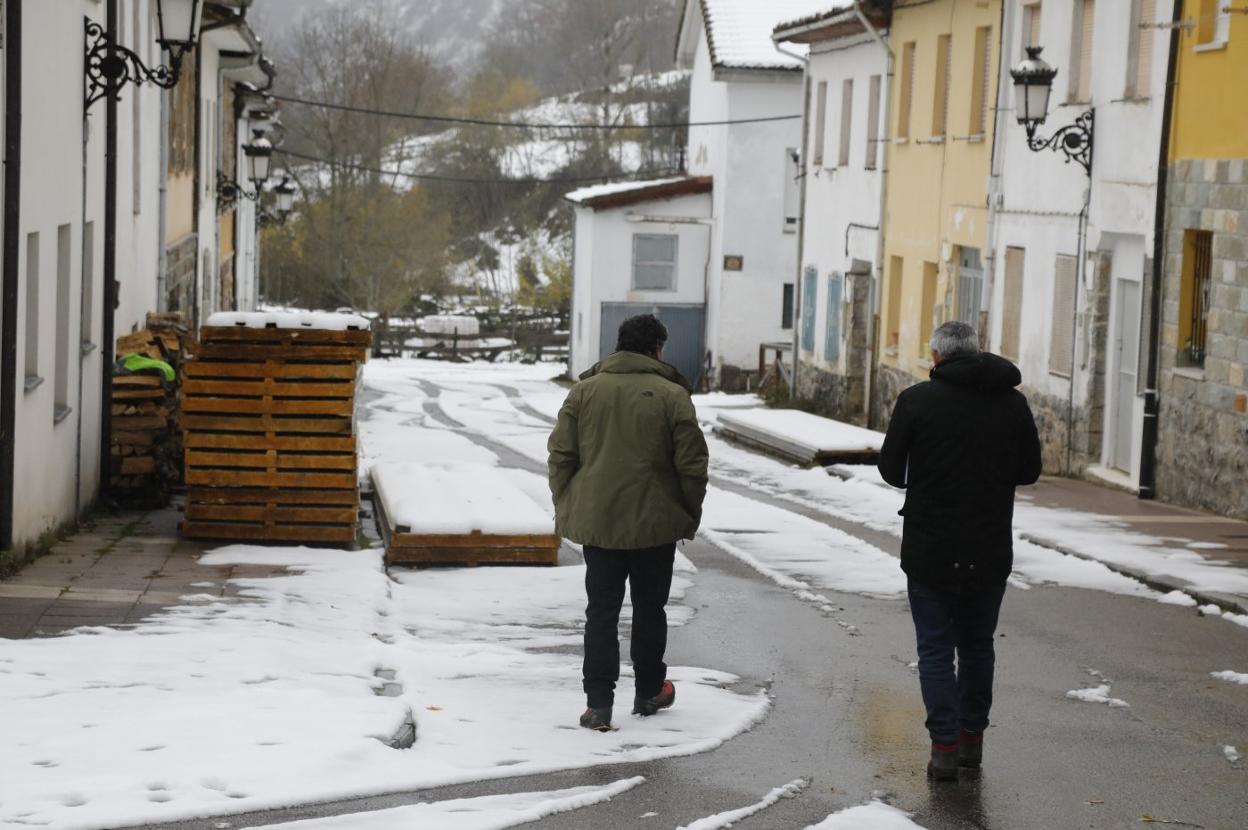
(654, 261)
(1202, 268)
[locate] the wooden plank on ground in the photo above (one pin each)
(276, 514)
(396, 555)
(327, 534)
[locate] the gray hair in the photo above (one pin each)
(954, 338)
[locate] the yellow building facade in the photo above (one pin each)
(936, 217)
(1203, 355)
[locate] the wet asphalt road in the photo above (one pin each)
(847, 715)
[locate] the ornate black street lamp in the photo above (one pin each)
(110, 66)
(1033, 83)
(285, 193)
(259, 155)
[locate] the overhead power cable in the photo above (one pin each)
(483, 122)
(434, 177)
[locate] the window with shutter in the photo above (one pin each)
(821, 121)
(927, 309)
(847, 116)
(894, 302)
(980, 74)
(873, 121)
(1081, 80)
(907, 90)
(940, 101)
(1031, 24)
(1140, 48)
(1062, 331)
(1011, 318)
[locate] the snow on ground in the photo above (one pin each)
(491, 812)
(731, 817)
(1231, 677)
(1098, 693)
(227, 706)
(875, 815)
(1230, 753)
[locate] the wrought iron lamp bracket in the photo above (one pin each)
(110, 66)
(1074, 140)
(230, 191)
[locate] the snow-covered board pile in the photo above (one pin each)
(462, 325)
(802, 437)
(322, 320)
(461, 514)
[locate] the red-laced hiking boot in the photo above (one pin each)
(970, 749)
(944, 763)
(663, 700)
(598, 720)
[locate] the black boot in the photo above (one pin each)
(663, 700)
(971, 749)
(598, 720)
(944, 763)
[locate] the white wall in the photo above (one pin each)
(602, 265)
(208, 262)
(1042, 195)
(838, 196)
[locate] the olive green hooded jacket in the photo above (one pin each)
(627, 457)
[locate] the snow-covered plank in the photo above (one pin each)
(801, 436)
(320, 320)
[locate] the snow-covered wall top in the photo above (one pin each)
(328, 321)
(739, 31)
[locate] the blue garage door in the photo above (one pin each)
(685, 324)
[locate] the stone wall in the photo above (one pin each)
(836, 395)
(889, 383)
(1202, 446)
(180, 258)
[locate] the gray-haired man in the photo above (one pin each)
(959, 443)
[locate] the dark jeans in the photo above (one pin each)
(944, 623)
(648, 572)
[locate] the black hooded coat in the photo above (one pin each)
(959, 444)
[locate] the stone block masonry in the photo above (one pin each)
(1202, 446)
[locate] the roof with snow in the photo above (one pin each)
(621, 194)
(738, 32)
(836, 21)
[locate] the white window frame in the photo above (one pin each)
(675, 260)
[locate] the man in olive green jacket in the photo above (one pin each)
(628, 475)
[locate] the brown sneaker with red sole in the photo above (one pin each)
(663, 700)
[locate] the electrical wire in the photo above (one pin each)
(434, 177)
(482, 122)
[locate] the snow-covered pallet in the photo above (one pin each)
(269, 432)
(467, 514)
(801, 437)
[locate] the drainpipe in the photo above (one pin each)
(11, 247)
(109, 293)
(874, 300)
(162, 257)
(995, 194)
(801, 212)
(1148, 452)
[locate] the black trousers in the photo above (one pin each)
(648, 572)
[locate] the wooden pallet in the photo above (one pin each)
(406, 548)
(272, 514)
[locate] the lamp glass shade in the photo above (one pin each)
(259, 158)
(285, 200)
(1033, 83)
(179, 21)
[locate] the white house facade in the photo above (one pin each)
(847, 79)
(1069, 312)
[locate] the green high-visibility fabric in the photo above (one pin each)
(136, 363)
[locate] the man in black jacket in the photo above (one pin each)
(959, 444)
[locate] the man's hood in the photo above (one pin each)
(983, 371)
(633, 363)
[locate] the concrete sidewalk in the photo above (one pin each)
(115, 571)
(1178, 526)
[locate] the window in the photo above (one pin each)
(654, 262)
(847, 117)
(981, 72)
(60, 378)
(1031, 24)
(1140, 48)
(821, 121)
(1194, 296)
(791, 195)
(928, 311)
(1062, 332)
(1012, 310)
(873, 122)
(940, 100)
(895, 265)
(32, 311)
(810, 296)
(88, 286)
(970, 286)
(786, 307)
(907, 90)
(1214, 24)
(1081, 44)
(832, 329)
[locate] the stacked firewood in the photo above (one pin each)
(146, 430)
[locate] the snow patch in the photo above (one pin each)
(1177, 598)
(1231, 753)
(875, 815)
(731, 817)
(1231, 677)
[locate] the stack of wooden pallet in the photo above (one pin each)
(146, 437)
(269, 428)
